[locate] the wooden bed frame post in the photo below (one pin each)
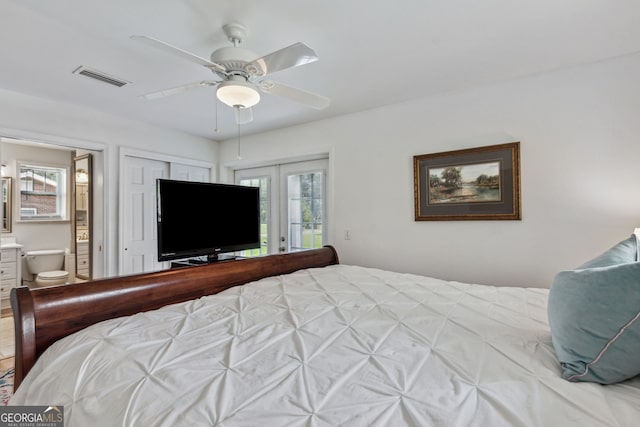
(43, 316)
(25, 332)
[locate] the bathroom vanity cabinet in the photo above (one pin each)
(10, 271)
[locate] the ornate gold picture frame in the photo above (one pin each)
(480, 183)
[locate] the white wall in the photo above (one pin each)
(579, 130)
(29, 117)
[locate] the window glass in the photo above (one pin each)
(305, 211)
(263, 184)
(43, 193)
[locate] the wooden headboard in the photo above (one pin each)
(43, 316)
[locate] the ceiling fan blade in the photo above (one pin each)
(307, 98)
(292, 56)
(177, 89)
(158, 44)
(243, 115)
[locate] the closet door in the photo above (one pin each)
(139, 252)
(140, 240)
(189, 173)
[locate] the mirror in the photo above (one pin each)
(6, 204)
(82, 215)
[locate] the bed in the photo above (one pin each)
(300, 339)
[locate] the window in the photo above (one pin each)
(43, 193)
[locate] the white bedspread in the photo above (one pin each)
(341, 345)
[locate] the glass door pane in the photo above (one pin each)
(263, 184)
(305, 208)
(263, 178)
(292, 205)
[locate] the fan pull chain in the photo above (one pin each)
(216, 129)
(239, 156)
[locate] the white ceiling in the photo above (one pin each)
(371, 52)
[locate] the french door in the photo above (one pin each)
(292, 205)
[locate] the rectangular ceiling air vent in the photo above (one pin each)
(99, 75)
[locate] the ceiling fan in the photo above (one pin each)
(242, 73)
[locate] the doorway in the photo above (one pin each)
(60, 234)
(293, 205)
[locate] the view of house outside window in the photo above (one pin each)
(42, 193)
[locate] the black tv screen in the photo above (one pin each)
(197, 219)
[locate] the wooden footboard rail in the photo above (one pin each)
(43, 316)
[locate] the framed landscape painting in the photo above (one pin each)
(480, 183)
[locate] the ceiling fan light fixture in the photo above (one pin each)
(238, 94)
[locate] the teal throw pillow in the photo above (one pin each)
(594, 315)
(624, 252)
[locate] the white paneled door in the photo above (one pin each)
(292, 204)
(139, 222)
(189, 173)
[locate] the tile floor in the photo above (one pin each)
(6, 342)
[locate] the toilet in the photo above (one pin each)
(46, 266)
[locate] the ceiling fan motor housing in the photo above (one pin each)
(237, 90)
(234, 59)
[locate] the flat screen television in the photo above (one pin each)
(198, 219)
